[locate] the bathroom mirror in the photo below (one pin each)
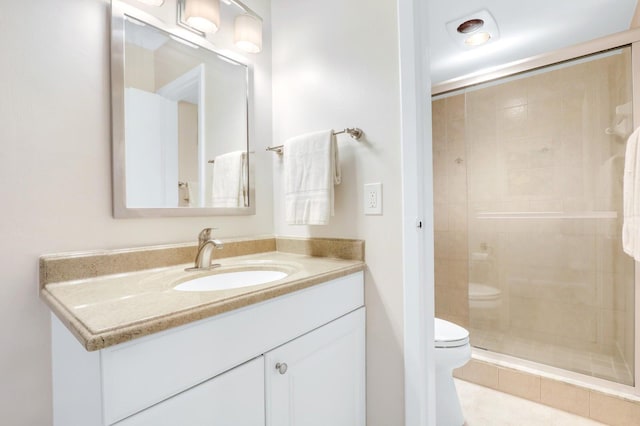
(181, 122)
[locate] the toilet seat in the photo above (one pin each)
(483, 296)
(449, 335)
(483, 292)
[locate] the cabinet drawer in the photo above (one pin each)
(143, 372)
(233, 398)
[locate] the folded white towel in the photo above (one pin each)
(229, 188)
(311, 168)
(194, 193)
(631, 197)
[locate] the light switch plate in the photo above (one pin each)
(373, 198)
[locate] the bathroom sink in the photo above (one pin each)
(231, 280)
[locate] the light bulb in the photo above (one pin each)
(248, 33)
(477, 39)
(203, 15)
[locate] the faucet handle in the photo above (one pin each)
(205, 235)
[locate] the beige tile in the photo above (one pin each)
(441, 297)
(481, 100)
(461, 320)
(542, 118)
(459, 302)
(512, 122)
(456, 319)
(613, 411)
(440, 188)
(441, 244)
(439, 163)
(459, 373)
(455, 132)
(441, 217)
(455, 107)
(565, 397)
(511, 94)
(458, 274)
(519, 384)
(482, 406)
(457, 216)
(440, 272)
(458, 245)
(481, 373)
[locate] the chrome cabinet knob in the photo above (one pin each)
(281, 367)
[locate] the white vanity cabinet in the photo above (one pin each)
(232, 398)
(319, 378)
(222, 370)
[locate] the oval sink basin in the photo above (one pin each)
(231, 280)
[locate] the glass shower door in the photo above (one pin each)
(547, 279)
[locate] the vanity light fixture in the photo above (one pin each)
(474, 30)
(203, 16)
(248, 33)
(199, 16)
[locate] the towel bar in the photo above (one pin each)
(213, 161)
(354, 132)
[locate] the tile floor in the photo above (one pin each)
(486, 407)
(605, 366)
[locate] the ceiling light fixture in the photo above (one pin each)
(470, 26)
(476, 39)
(474, 30)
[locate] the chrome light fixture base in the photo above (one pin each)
(181, 20)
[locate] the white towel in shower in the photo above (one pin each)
(311, 169)
(631, 197)
(229, 188)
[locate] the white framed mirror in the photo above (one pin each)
(181, 114)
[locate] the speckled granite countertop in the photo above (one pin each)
(108, 309)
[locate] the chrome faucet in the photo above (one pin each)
(206, 245)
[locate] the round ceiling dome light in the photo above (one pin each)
(477, 39)
(473, 30)
(470, 26)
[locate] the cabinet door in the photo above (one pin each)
(318, 379)
(232, 398)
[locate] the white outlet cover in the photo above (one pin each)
(372, 199)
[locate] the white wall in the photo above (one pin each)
(335, 65)
(55, 175)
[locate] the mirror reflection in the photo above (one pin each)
(185, 123)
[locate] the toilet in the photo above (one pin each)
(452, 350)
(482, 296)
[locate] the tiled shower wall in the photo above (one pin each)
(450, 209)
(536, 144)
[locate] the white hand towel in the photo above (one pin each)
(229, 188)
(631, 197)
(194, 194)
(183, 194)
(311, 168)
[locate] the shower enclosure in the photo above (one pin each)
(528, 215)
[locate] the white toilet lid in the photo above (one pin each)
(449, 335)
